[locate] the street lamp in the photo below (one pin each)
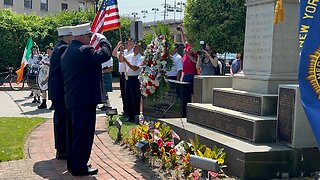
(155, 14)
(181, 4)
(134, 15)
(96, 5)
(144, 14)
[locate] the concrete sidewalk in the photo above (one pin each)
(18, 104)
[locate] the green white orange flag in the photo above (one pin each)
(25, 58)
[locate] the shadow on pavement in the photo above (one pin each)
(19, 100)
(37, 111)
(144, 169)
(30, 104)
(55, 169)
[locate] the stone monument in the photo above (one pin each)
(271, 52)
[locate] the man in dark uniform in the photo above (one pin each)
(81, 69)
(56, 92)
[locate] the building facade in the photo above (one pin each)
(45, 7)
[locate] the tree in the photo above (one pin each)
(219, 22)
(15, 29)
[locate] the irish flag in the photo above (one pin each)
(25, 58)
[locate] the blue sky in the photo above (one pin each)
(127, 7)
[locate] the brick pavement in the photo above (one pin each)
(41, 164)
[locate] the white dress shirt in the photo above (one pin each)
(177, 65)
(136, 61)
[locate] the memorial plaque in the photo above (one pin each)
(227, 124)
(286, 114)
(172, 105)
(238, 102)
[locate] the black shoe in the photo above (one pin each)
(42, 106)
(90, 171)
(61, 156)
(89, 166)
(34, 101)
(104, 108)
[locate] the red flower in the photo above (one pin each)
(169, 144)
(172, 151)
(152, 77)
(150, 62)
(159, 142)
(165, 56)
(150, 83)
(148, 91)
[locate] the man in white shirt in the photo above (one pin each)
(133, 93)
(175, 73)
(128, 50)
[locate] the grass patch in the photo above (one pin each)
(126, 127)
(13, 135)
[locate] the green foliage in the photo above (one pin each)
(15, 29)
(125, 129)
(214, 153)
(219, 22)
(197, 146)
(13, 133)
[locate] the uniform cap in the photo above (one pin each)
(64, 31)
(81, 29)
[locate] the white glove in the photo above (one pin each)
(99, 36)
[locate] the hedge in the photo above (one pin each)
(15, 29)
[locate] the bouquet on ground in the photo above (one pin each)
(157, 61)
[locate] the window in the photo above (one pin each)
(44, 5)
(82, 6)
(64, 6)
(8, 2)
(28, 4)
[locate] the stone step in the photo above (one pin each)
(248, 160)
(259, 129)
(248, 102)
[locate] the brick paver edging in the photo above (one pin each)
(41, 164)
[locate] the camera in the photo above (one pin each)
(202, 46)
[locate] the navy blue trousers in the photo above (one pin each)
(60, 125)
(123, 93)
(133, 96)
(80, 134)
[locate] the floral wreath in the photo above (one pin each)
(156, 63)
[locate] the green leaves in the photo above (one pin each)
(15, 29)
(221, 23)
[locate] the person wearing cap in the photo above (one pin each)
(56, 92)
(133, 93)
(128, 49)
(81, 70)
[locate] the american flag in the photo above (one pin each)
(107, 19)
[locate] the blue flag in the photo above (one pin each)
(309, 68)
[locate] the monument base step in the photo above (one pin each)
(248, 102)
(248, 160)
(258, 129)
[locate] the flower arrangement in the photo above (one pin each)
(157, 61)
(163, 152)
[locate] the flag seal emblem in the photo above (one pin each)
(314, 71)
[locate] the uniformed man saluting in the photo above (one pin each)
(56, 92)
(81, 69)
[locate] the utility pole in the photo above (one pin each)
(165, 8)
(144, 15)
(155, 14)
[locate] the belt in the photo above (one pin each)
(133, 77)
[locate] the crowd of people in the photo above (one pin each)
(80, 78)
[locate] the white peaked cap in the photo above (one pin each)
(81, 29)
(64, 31)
